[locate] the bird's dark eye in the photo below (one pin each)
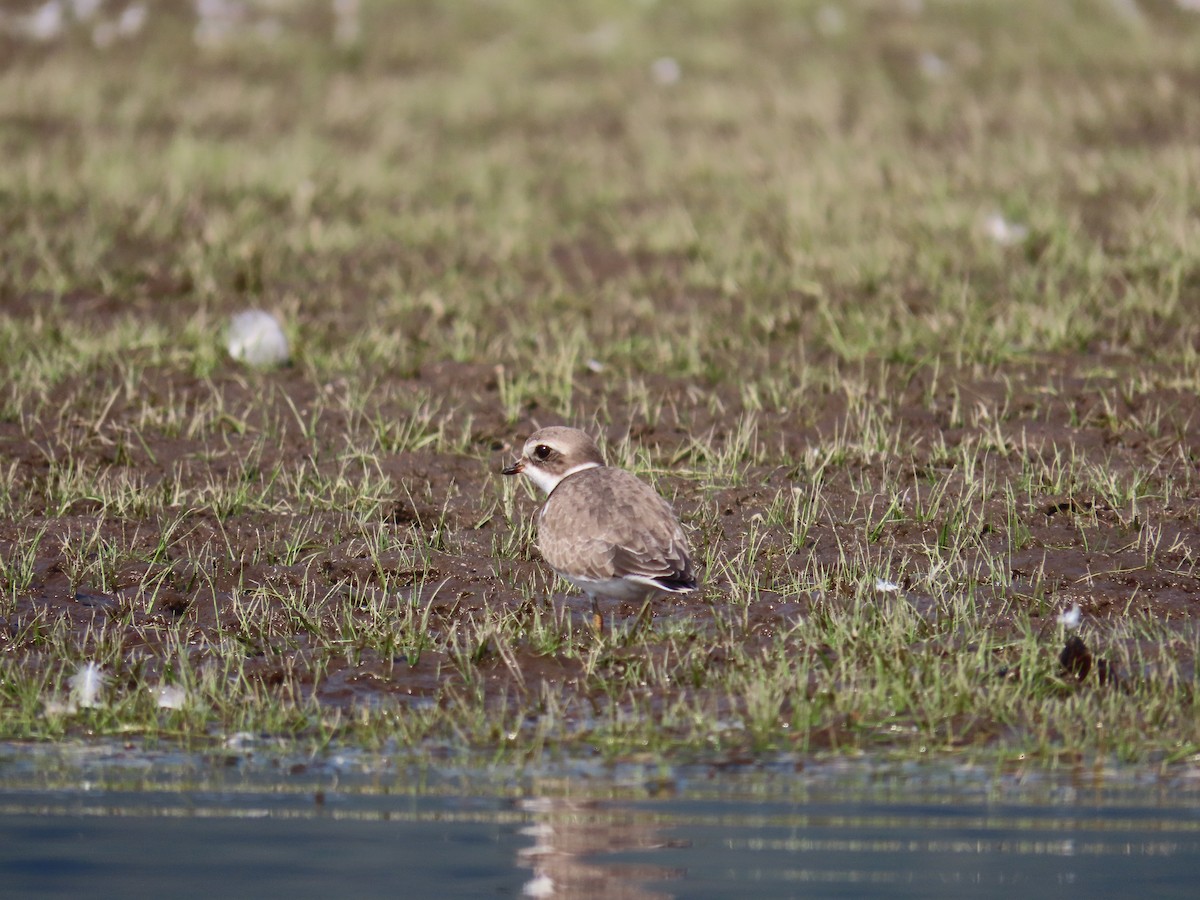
(541, 451)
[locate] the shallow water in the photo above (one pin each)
(103, 821)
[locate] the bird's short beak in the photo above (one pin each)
(515, 469)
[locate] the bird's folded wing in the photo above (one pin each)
(611, 525)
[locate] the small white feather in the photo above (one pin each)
(885, 586)
(46, 23)
(666, 70)
(1071, 618)
(255, 338)
(132, 20)
(86, 685)
(240, 740)
(932, 66)
(169, 696)
(1004, 232)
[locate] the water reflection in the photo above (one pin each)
(123, 823)
(779, 835)
(571, 839)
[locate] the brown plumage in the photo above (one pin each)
(604, 523)
(601, 528)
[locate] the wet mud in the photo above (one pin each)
(183, 572)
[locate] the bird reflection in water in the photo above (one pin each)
(570, 839)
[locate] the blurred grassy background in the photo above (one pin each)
(819, 179)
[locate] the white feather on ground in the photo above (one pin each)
(1070, 618)
(1004, 232)
(44, 24)
(169, 696)
(255, 338)
(666, 70)
(86, 685)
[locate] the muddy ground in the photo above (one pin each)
(932, 266)
(1077, 548)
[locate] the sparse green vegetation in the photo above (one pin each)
(904, 318)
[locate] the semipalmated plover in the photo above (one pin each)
(602, 529)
